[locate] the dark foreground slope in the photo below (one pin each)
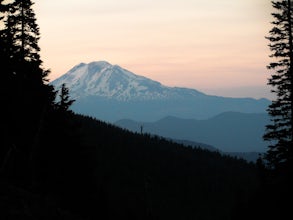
(106, 172)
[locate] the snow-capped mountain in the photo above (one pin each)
(110, 93)
(111, 81)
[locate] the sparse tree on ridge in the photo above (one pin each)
(65, 101)
(279, 131)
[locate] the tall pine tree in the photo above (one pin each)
(279, 131)
(28, 96)
(26, 30)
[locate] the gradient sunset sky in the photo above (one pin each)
(215, 46)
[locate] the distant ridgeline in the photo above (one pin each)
(227, 132)
(113, 94)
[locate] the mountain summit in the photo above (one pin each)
(113, 82)
(110, 93)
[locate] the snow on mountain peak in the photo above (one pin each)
(103, 79)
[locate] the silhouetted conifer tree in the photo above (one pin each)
(65, 100)
(277, 173)
(8, 88)
(279, 132)
(26, 31)
(6, 41)
(28, 96)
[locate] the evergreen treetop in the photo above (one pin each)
(279, 132)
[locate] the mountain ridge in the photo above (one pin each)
(227, 132)
(113, 81)
(109, 92)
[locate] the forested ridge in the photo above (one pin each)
(56, 164)
(93, 169)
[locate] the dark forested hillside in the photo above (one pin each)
(138, 176)
(98, 170)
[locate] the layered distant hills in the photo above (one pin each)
(116, 95)
(228, 132)
(110, 93)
